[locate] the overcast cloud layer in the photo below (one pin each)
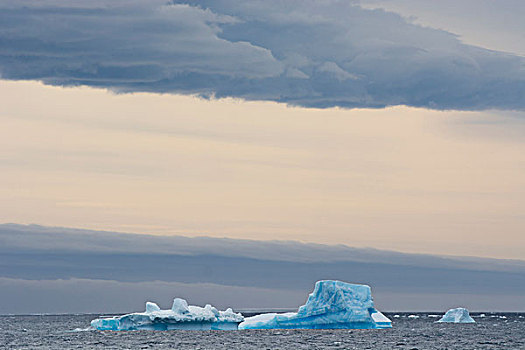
(308, 53)
(89, 271)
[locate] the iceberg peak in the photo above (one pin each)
(151, 307)
(180, 306)
(457, 315)
(336, 296)
(332, 305)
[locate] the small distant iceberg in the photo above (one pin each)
(458, 315)
(181, 316)
(332, 305)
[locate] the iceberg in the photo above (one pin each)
(458, 315)
(332, 305)
(181, 316)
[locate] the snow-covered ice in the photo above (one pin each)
(458, 315)
(332, 305)
(181, 316)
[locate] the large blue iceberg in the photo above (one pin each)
(332, 305)
(458, 315)
(181, 316)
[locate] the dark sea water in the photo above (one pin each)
(494, 331)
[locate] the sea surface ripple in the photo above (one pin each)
(410, 331)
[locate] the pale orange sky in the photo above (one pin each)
(399, 178)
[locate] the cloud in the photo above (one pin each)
(109, 296)
(43, 239)
(307, 53)
(121, 44)
(61, 262)
(76, 295)
(483, 23)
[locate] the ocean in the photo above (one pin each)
(410, 331)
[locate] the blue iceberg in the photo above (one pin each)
(181, 316)
(458, 315)
(332, 305)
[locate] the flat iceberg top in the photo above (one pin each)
(378, 317)
(180, 316)
(458, 315)
(332, 304)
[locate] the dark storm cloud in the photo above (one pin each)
(307, 53)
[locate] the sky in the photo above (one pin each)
(400, 178)
(50, 269)
(389, 124)
(495, 25)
